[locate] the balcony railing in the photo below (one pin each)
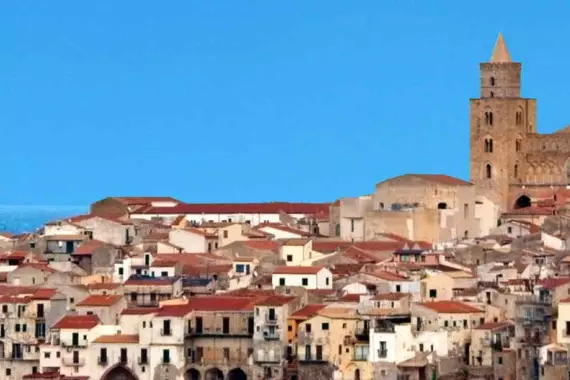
(165, 332)
(271, 335)
(311, 359)
(69, 361)
(143, 360)
(218, 333)
(382, 354)
(360, 357)
(362, 333)
(271, 321)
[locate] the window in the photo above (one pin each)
(500, 360)
(166, 327)
(163, 274)
(47, 355)
(518, 118)
(8, 372)
(446, 323)
(465, 323)
(225, 234)
(120, 270)
(421, 347)
(516, 171)
(518, 144)
(383, 351)
(210, 247)
(308, 327)
(398, 288)
(4, 308)
(166, 356)
(465, 210)
(327, 281)
(289, 328)
(226, 353)
(289, 258)
(304, 281)
(433, 293)
(319, 352)
(256, 311)
(488, 171)
(489, 118)
(351, 225)
(488, 145)
(324, 326)
(281, 282)
(492, 81)
(509, 230)
(144, 356)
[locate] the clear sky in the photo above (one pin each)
(239, 101)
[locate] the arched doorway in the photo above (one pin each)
(357, 374)
(119, 373)
(442, 206)
(192, 374)
(237, 374)
(522, 202)
(214, 374)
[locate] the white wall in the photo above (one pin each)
(190, 242)
(64, 229)
(280, 234)
(318, 281)
(254, 219)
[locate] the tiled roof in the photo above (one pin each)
(451, 307)
(551, 283)
(140, 310)
(39, 266)
(198, 231)
(77, 322)
(263, 245)
(284, 269)
(308, 311)
(276, 300)
(15, 299)
(387, 276)
(87, 248)
(103, 286)
(240, 208)
(351, 297)
(442, 179)
(100, 300)
(328, 246)
(117, 338)
(297, 242)
(390, 296)
(150, 281)
(44, 294)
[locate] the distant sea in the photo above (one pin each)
(19, 219)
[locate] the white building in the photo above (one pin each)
(250, 213)
(307, 277)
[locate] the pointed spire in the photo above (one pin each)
(500, 52)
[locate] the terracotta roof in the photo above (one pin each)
(359, 255)
(349, 297)
(240, 208)
(284, 269)
(100, 300)
(308, 311)
(328, 246)
(118, 338)
(208, 303)
(493, 325)
(390, 296)
(77, 322)
(276, 300)
(14, 299)
(389, 276)
(197, 231)
(147, 280)
(551, 283)
(103, 286)
(296, 242)
(451, 307)
(264, 245)
(281, 227)
(442, 179)
(158, 263)
(140, 310)
(39, 266)
(87, 248)
(44, 294)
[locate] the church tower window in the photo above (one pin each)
(489, 118)
(518, 118)
(488, 171)
(492, 81)
(488, 145)
(516, 170)
(518, 144)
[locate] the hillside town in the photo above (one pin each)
(428, 276)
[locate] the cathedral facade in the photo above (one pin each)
(511, 163)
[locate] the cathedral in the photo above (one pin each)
(511, 163)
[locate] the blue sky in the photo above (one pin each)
(242, 101)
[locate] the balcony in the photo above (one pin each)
(271, 335)
(166, 332)
(271, 320)
(142, 360)
(218, 333)
(382, 353)
(73, 344)
(165, 360)
(102, 360)
(70, 361)
(362, 334)
(309, 359)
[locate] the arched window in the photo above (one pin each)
(492, 81)
(488, 171)
(518, 118)
(518, 145)
(488, 145)
(516, 170)
(492, 94)
(489, 118)
(522, 202)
